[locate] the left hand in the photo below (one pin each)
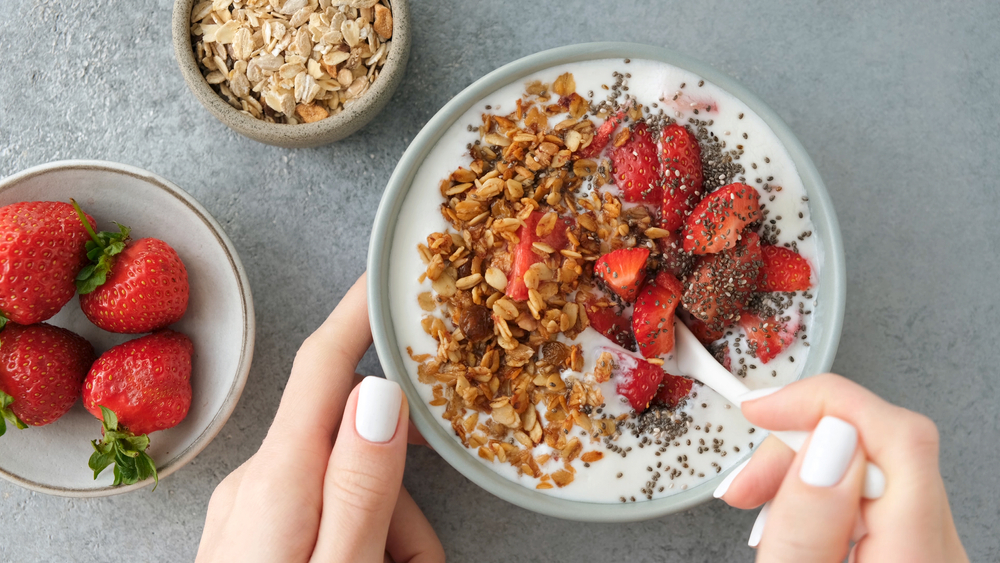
(307, 497)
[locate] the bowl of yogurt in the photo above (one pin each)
(518, 354)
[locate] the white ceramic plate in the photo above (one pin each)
(220, 321)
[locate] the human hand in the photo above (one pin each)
(814, 497)
(305, 497)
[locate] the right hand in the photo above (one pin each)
(805, 522)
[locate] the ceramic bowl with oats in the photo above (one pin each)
(494, 289)
(292, 73)
(219, 320)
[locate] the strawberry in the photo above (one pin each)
(672, 390)
(653, 316)
(717, 221)
(680, 166)
(42, 247)
(606, 320)
(602, 136)
(136, 388)
(132, 287)
(623, 271)
(41, 370)
(524, 255)
(767, 338)
(700, 329)
(720, 285)
(783, 270)
(636, 168)
(636, 379)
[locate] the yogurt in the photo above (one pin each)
(657, 454)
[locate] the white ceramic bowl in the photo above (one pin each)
(828, 313)
(220, 321)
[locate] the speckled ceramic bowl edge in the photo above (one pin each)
(248, 323)
(302, 135)
(831, 296)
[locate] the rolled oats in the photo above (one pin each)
(302, 60)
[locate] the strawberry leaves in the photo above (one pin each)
(101, 250)
(125, 450)
(7, 415)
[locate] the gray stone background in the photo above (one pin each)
(895, 101)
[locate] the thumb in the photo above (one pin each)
(818, 505)
(364, 475)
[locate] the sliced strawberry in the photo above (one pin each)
(717, 221)
(636, 168)
(636, 379)
(602, 136)
(653, 317)
(672, 390)
(767, 338)
(705, 334)
(680, 167)
(783, 270)
(523, 255)
(720, 285)
(605, 319)
(623, 271)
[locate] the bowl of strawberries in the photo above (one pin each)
(127, 328)
(542, 240)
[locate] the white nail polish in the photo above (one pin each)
(378, 409)
(758, 525)
(757, 394)
(874, 482)
(724, 485)
(831, 448)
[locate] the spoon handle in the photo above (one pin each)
(693, 360)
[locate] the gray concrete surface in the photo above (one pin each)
(896, 102)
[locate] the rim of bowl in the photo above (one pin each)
(832, 278)
(249, 323)
(300, 134)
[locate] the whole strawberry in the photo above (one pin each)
(42, 247)
(41, 370)
(132, 287)
(135, 388)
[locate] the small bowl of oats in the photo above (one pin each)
(292, 73)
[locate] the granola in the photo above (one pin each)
(291, 61)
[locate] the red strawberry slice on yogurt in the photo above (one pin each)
(636, 168)
(717, 222)
(680, 166)
(783, 270)
(524, 254)
(623, 271)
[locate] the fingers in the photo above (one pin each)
(812, 517)
(323, 373)
(413, 436)
(364, 475)
(894, 438)
(760, 479)
(411, 538)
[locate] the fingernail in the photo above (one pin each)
(378, 409)
(830, 451)
(874, 482)
(757, 394)
(758, 525)
(724, 485)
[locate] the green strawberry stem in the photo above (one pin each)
(101, 250)
(125, 450)
(8, 415)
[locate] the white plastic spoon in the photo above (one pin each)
(693, 360)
